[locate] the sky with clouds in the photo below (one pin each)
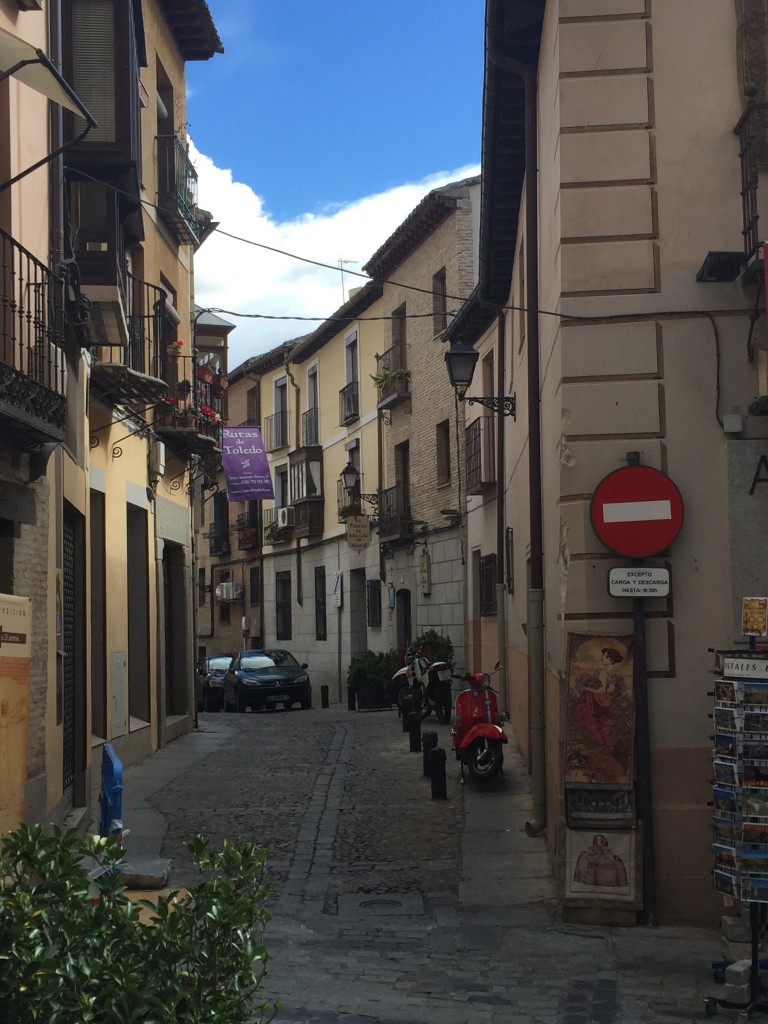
(323, 171)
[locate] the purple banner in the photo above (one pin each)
(245, 464)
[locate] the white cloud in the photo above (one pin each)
(243, 278)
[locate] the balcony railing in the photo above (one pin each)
(275, 431)
(32, 363)
(248, 532)
(394, 513)
(310, 427)
(146, 351)
(218, 539)
(278, 525)
(395, 377)
(177, 189)
(349, 403)
(308, 517)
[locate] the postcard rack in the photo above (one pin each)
(740, 802)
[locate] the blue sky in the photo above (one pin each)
(317, 131)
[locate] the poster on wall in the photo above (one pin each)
(15, 650)
(602, 869)
(599, 711)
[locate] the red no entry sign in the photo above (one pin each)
(636, 511)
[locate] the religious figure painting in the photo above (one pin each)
(600, 713)
(602, 867)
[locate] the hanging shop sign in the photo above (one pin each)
(636, 511)
(245, 464)
(358, 532)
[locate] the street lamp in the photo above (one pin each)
(350, 481)
(461, 359)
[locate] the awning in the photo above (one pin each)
(32, 67)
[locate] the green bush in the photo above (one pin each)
(372, 667)
(74, 951)
(439, 645)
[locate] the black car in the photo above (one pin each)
(209, 682)
(266, 679)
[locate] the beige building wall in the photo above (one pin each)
(639, 179)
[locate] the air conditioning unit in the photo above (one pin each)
(230, 591)
(156, 467)
(284, 517)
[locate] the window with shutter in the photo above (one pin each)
(93, 76)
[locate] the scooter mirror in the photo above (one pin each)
(485, 682)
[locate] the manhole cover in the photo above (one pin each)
(381, 904)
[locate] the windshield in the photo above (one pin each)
(220, 663)
(267, 659)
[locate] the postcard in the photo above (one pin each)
(726, 692)
(725, 745)
(726, 830)
(725, 801)
(725, 857)
(754, 833)
(754, 616)
(755, 803)
(726, 883)
(728, 720)
(755, 775)
(726, 775)
(755, 693)
(754, 721)
(754, 890)
(752, 750)
(754, 862)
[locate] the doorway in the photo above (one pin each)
(403, 619)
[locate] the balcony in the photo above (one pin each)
(310, 427)
(392, 378)
(308, 517)
(349, 403)
(136, 373)
(177, 189)
(278, 525)
(275, 431)
(32, 365)
(394, 514)
(248, 532)
(187, 431)
(218, 539)
(481, 455)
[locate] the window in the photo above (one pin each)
(399, 338)
(253, 406)
(283, 624)
(280, 417)
(280, 482)
(439, 302)
(350, 350)
(373, 588)
(201, 587)
(254, 588)
(487, 585)
(443, 451)
(224, 616)
(510, 560)
(321, 628)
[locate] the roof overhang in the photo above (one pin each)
(31, 66)
(193, 28)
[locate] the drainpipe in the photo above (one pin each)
(501, 603)
(527, 73)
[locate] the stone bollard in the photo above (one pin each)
(414, 731)
(428, 744)
(324, 696)
(351, 702)
(437, 774)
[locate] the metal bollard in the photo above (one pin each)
(324, 696)
(414, 731)
(437, 774)
(428, 744)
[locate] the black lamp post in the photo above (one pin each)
(461, 359)
(350, 476)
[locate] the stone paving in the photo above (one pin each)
(391, 907)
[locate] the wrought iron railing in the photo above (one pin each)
(394, 374)
(480, 451)
(146, 351)
(753, 152)
(248, 531)
(218, 539)
(177, 188)
(309, 427)
(349, 403)
(394, 512)
(275, 431)
(33, 374)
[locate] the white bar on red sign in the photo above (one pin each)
(636, 511)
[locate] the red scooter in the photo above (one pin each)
(478, 735)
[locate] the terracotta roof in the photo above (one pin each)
(193, 28)
(417, 226)
(265, 361)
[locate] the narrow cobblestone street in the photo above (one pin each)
(394, 908)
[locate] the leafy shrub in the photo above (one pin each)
(73, 949)
(372, 667)
(440, 646)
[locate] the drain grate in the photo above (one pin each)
(383, 904)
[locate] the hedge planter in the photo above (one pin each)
(371, 697)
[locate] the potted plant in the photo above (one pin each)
(219, 384)
(165, 412)
(368, 679)
(271, 531)
(204, 373)
(183, 386)
(186, 416)
(390, 376)
(174, 349)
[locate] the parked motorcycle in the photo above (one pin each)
(478, 733)
(423, 685)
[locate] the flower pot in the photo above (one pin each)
(219, 384)
(187, 420)
(174, 351)
(204, 374)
